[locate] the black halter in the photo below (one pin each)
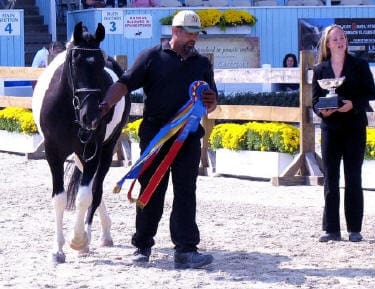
(85, 135)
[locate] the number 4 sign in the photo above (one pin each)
(10, 23)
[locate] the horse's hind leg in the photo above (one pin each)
(106, 223)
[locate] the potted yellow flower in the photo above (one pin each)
(254, 149)
(18, 132)
(216, 21)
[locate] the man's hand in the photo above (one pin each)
(103, 108)
(209, 99)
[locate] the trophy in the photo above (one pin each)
(331, 100)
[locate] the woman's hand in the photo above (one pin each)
(348, 105)
(327, 112)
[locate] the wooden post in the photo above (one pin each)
(306, 167)
(119, 153)
(208, 125)
(122, 60)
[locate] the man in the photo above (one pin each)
(44, 55)
(165, 73)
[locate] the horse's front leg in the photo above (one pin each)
(59, 201)
(59, 204)
(80, 239)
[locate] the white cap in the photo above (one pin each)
(189, 20)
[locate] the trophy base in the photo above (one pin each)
(329, 102)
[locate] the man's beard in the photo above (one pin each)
(189, 47)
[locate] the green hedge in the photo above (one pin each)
(286, 99)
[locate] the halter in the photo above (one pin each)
(85, 135)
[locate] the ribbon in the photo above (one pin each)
(185, 121)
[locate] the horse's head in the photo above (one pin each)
(85, 70)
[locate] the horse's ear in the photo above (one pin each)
(78, 32)
(100, 32)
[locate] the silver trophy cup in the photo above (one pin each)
(331, 100)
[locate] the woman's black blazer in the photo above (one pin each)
(358, 87)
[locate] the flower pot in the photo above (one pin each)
(235, 30)
(215, 30)
(251, 163)
(368, 169)
(19, 142)
(135, 151)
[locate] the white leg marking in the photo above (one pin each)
(83, 201)
(106, 223)
(59, 202)
(85, 250)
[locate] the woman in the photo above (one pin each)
(343, 131)
(290, 60)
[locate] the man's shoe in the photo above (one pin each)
(355, 237)
(330, 237)
(192, 260)
(141, 255)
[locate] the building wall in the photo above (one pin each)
(277, 28)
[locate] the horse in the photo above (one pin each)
(66, 110)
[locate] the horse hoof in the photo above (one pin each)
(107, 243)
(58, 258)
(84, 252)
(79, 245)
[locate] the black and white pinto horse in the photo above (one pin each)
(65, 108)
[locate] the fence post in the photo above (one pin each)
(119, 150)
(122, 60)
(306, 166)
(208, 125)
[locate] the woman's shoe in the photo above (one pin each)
(330, 237)
(355, 237)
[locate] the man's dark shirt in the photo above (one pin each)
(165, 78)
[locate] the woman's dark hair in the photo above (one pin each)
(292, 56)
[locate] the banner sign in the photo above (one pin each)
(231, 52)
(361, 36)
(138, 26)
(360, 33)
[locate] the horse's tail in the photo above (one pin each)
(73, 176)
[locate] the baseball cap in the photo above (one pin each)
(189, 20)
